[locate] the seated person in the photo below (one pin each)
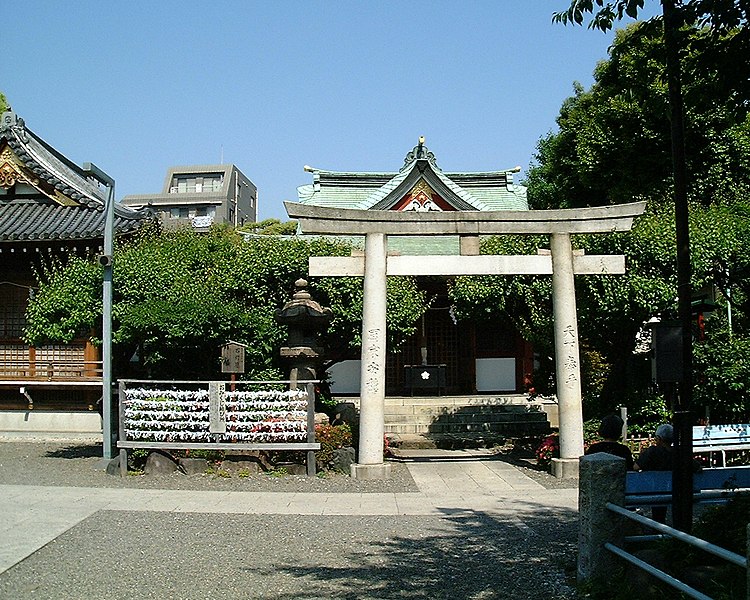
(659, 456)
(611, 430)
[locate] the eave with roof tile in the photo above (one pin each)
(66, 206)
(481, 191)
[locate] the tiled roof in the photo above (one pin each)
(45, 220)
(493, 190)
(68, 205)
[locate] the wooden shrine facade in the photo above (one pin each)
(50, 208)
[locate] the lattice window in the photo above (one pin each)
(61, 361)
(13, 301)
(14, 360)
(442, 348)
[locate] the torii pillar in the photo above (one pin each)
(376, 265)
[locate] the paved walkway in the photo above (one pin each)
(449, 482)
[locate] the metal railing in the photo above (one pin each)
(667, 531)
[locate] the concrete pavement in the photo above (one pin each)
(449, 482)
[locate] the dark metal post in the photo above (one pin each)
(310, 387)
(109, 229)
(682, 484)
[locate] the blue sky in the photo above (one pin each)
(136, 87)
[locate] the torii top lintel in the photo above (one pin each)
(600, 219)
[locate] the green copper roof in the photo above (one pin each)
(493, 190)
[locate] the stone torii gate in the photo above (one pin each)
(562, 263)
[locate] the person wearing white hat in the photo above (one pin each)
(658, 458)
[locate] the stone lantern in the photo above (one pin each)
(305, 320)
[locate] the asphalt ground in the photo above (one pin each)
(455, 525)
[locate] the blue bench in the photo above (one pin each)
(654, 488)
(721, 438)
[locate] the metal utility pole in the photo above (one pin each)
(106, 261)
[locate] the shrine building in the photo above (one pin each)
(50, 208)
(469, 357)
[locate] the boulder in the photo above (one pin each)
(342, 459)
(256, 456)
(113, 466)
(246, 466)
(345, 412)
(193, 466)
(292, 468)
(159, 463)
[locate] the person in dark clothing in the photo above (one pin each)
(658, 458)
(611, 430)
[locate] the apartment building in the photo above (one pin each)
(199, 196)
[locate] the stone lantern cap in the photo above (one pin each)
(302, 311)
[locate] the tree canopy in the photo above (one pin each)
(613, 145)
(613, 140)
(179, 295)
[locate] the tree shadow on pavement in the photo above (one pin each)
(469, 555)
(76, 451)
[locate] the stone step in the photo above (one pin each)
(510, 429)
(436, 410)
(465, 417)
(493, 427)
(505, 400)
(445, 441)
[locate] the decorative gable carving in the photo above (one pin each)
(12, 172)
(422, 198)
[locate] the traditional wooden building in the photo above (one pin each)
(467, 357)
(49, 207)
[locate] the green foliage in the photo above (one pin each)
(270, 227)
(613, 142)
(68, 302)
(646, 411)
(719, 15)
(179, 295)
(723, 373)
(3, 103)
(330, 438)
(726, 525)
(613, 145)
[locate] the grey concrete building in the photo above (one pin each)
(201, 195)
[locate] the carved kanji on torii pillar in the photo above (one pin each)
(562, 263)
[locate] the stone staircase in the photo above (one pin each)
(464, 421)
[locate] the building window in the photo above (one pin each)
(189, 184)
(179, 212)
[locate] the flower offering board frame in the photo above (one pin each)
(186, 415)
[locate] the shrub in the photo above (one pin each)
(330, 438)
(547, 450)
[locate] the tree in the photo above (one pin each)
(613, 142)
(3, 103)
(270, 227)
(720, 16)
(179, 295)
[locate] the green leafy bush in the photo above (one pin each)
(330, 438)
